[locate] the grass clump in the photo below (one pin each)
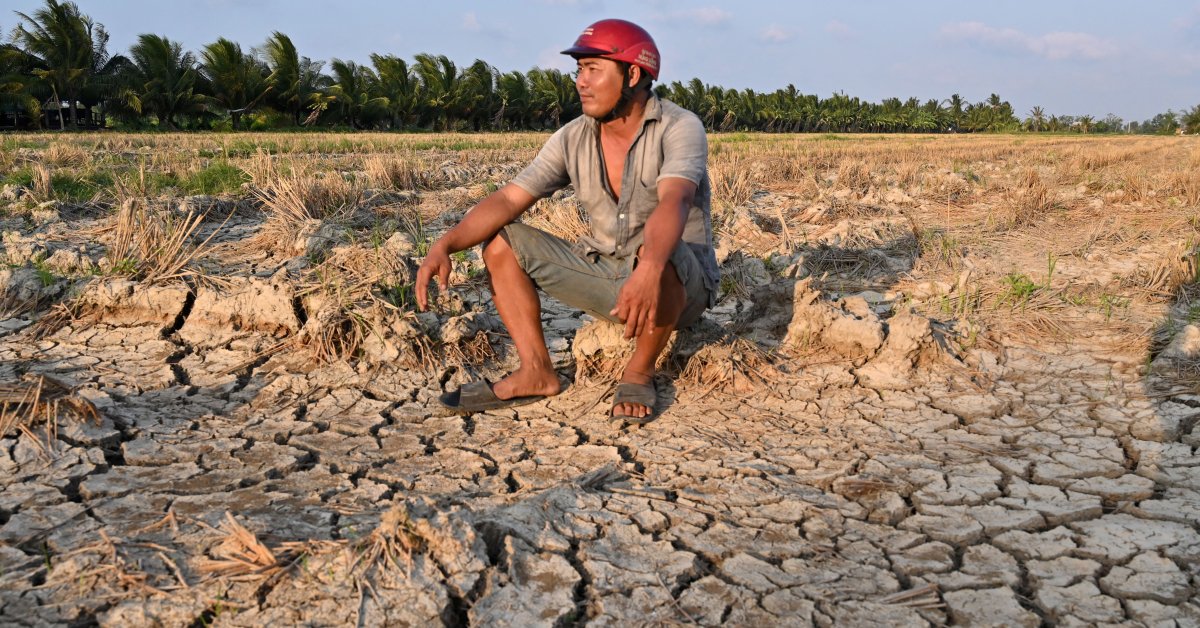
(219, 177)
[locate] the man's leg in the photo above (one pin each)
(520, 309)
(648, 346)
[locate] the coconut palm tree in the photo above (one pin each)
(237, 81)
(164, 79)
(554, 99)
(1191, 121)
(1085, 123)
(478, 95)
(354, 92)
(513, 92)
(64, 44)
(20, 92)
(1037, 118)
(295, 81)
(396, 83)
(440, 88)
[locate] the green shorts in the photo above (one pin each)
(592, 281)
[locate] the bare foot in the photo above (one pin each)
(525, 382)
(636, 410)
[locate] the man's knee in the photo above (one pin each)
(498, 251)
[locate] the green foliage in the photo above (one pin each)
(1018, 288)
(219, 177)
(399, 295)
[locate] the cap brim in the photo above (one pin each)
(576, 51)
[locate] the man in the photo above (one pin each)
(639, 167)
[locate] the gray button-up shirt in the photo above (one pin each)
(670, 143)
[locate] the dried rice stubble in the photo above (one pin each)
(703, 355)
(42, 399)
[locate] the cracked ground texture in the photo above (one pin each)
(1030, 461)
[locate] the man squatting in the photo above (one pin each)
(639, 165)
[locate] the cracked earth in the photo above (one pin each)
(855, 461)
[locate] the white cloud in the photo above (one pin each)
(471, 22)
(840, 29)
(774, 34)
(1054, 46)
(1188, 25)
(704, 16)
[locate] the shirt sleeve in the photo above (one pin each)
(685, 150)
(548, 172)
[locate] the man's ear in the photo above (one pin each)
(634, 75)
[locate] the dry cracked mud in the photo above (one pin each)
(830, 452)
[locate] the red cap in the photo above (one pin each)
(620, 41)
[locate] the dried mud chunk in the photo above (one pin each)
(989, 607)
(861, 613)
(835, 578)
(947, 524)
(122, 480)
(1081, 602)
(851, 328)
(221, 314)
(707, 599)
(1147, 577)
(176, 610)
(121, 302)
(1118, 537)
(540, 590)
(625, 558)
(1028, 546)
(1061, 572)
(932, 557)
(983, 566)
(643, 605)
(61, 526)
(908, 336)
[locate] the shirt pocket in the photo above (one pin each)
(645, 199)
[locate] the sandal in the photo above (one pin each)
(479, 396)
(641, 394)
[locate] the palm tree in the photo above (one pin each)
(440, 89)
(237, 81)
(296, 81)
(554, 98)
(64, 44)
(478, 93)
(398, 85)
(957, 112)
(354, 92)
(1037, 118)
(164, 79)
(513, 92)
(1085, 123)
(19, 92)
(1191, 121)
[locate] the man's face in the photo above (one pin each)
(599, 84)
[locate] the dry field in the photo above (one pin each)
(950, 380)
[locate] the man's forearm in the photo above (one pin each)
(483, 221)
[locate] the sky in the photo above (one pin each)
(1070, 57)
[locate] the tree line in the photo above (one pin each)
(56, 72)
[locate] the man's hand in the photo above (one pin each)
(637, 303)
(437, 264)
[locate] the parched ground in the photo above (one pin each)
(949, 381)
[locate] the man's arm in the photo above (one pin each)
(637, 303)
(482, 222)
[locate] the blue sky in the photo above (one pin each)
(1068, 56)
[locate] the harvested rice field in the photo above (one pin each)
(950, 380)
